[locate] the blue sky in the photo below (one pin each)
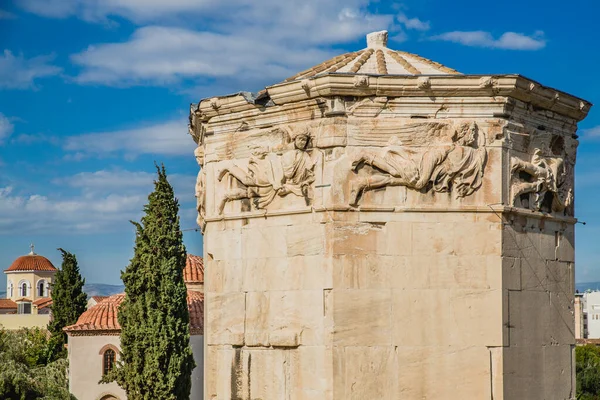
(92, 92)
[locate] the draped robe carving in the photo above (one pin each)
(273, 174)
(454, 167)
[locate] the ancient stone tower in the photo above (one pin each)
(381, 226)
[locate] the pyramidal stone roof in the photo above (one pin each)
(378, 59)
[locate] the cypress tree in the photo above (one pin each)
(156, 357)
(69, 301)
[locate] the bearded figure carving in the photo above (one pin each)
(547, 178)
(272, 174)
(456, 167)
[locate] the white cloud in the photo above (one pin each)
(508, 40)
(591, 133)
(413, 23)
(6, 128)
(240, 38)
(18, 72)
(101, 201)
(168, 138)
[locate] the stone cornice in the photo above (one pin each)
(486, 209)
(447, 86)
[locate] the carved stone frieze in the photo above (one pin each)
(272, 172)
(200, 191)
(456, 166)
(545, 182)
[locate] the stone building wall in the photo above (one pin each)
(350, 277)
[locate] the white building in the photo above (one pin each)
(28, 292)
(94, 341)
(587, 315)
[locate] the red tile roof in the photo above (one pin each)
(102, 317)
(98, 299)
(194, 269)
(31, 262)
(195, 302)
(7, 304)
(43, 302)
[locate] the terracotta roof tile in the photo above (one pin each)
(23, 299)
(100, 317)
(195, 302)
(31, 262)
(98, 299)
(103, 315)
(7, 304)
(43, 302)
(194, 269)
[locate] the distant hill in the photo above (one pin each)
(583, 286)
(102, 289)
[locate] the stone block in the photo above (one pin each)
(305, 240)
(371, 372)
(540, 318)
(398, 239)
(451, 372)
(357, 238)
(436, 238)
(367, 271)
(299, 311)
(362, 317)
(511, 273)
(264, 242)
(566, 246)
(479, 238)
(444, 317)
(226, 313)
(443, 271)
(558, 370)
(287, 273)
(223, 245)
(222, 276)
(284, 338)
(257, 319)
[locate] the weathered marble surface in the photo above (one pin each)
(384, 237)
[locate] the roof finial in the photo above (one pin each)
(31, 246)
(377, 39)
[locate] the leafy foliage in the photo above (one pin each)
(156, 357)
(588, 372)
(68, 302)
(24, 374)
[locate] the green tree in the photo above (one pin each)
(69, 301)
(24, 374)
(588, 372)
(156, 357)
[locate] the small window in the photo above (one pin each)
(109, 361)
(41, 289)
(10, 289)
(24, 308)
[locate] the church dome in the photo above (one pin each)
(377, 59)
(31, 262)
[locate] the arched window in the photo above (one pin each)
(42, 288)
(24, 287)
(10, 289)
(108, 361)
